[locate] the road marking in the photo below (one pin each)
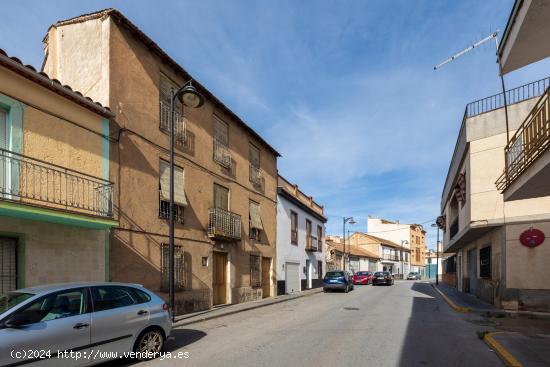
(508, 359)
(451, 303)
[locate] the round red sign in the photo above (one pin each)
(532, 237)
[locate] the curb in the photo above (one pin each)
(508, 359)
(252, 307)
(451, 303)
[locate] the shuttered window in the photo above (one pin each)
(294, 227)
(179, 188)
(8, 265)
(254, 156)
(166, 87)
(221, 131)
(221, 197)
(255, 271)
(255, 216)
(319, 239)
(179, 270)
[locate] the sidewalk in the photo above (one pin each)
(226, 310)
(465, 300)
(529, 351)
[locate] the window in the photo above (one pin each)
(139, 295)
(8, 260)
(309, 238)
(221, 143)
(180, 201)
(417, 255)
(255, 274)
(165, 99)
(319, 238)
(56, 306)
(255, 174)
(179, 275)
(294, 227)
(255, 221)
(485, 262)
(221, 197)
(112, 296)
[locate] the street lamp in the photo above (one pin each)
(437, 255)
(351, 221)
(403, 242)
(190, 97)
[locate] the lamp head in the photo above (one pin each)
(352, 221)
(190, 97)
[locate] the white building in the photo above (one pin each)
(397, 260)
(300, 240)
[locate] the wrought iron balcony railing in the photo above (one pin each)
(529, 142)
(35, 182)
(223, 224)
(390, 257)
(311, 244)
(180, 128)
(221, 153)
(255, 174)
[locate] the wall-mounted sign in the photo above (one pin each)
(532, 237)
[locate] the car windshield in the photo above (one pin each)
(412, 273)
(334, 274)
(12, 299)
(361, 273)
(379, 274)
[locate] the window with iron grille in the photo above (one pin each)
(180, 200)
(8, 265)
(222, 154)
(294, 227)
(255, 271)
(254, 221)
(179, 275)
(165, 100)
(485, 262)
(319, 238)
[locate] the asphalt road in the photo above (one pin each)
(403, 325)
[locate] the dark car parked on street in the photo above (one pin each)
(382, 277)
(338, 280)
(362, 277)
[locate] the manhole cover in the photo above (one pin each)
(351, 308)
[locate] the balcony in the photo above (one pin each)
(223, 224)
(390, 257)
(255, 174)
(222, 154)
(311, 243)
(180, 129)
(453, 230)
(34, 182)
(531, 141)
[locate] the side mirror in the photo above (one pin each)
(16, 321)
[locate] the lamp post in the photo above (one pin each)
(436, 255)
(190, 97)
(345, 220)
(403, 242)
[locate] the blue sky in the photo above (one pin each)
(345, 90)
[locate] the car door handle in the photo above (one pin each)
(81, 325)
(142, 312)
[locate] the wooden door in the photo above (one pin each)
(266, 278)
(219, 282)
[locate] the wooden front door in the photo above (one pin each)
(266, 278)
(219, 279)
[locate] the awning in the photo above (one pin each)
(179, 189)
(255, 216)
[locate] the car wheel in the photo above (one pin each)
(149, 344)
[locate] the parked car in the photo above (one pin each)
(382, 277)
(338, 280)
(362, 277)
(414, 276)
(82, 317)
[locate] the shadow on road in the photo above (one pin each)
(179, 338)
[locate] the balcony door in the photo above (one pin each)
(3, 145)
(221, 197)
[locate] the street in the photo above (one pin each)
(402, 325)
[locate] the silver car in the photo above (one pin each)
(77, 324)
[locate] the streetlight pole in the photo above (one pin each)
(345, 220)
(190, 97)
(436, 255)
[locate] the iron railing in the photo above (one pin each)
(180, 128)
(221, 153)
(390, 257)
(35, 182)
(224, 224)
(255, 174)
(529, 142)
(164, 210)
(311, 243)
(515, 95)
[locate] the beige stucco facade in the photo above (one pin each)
(125, 74)
(53, 158)
(482, 228)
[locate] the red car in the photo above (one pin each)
(362, 277)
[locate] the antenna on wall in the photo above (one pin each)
(490, 37)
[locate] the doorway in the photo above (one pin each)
(266, 278)
(219, 278)
(472, 270)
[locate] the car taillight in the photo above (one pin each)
(165, 307)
